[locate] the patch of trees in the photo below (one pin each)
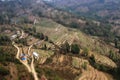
(65, 48)
(7, 54)
(4, 40)
(74, 25)
(98, 66)
(22, 41)
(73, 48)
(95, 30)
(3, 19)
(3, 28)
(4, 71)
(26, 20)
(85, 52)
(117, 43)
(32, 31)
(114, 56)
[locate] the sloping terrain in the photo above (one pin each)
(101, 8)
(60, 34)
(42, 29)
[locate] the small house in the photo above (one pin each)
(36, 55)
(14, 36)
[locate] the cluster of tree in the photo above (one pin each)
(29, 30)
(3, 20)
(95, 30)
(114, 56)
(7, 54)
(4, 40)
(32, 31)
(25, 20)
(22, 41)
(98, 66)
(4, 71)
(3, 28)
(117, 43)
(73, 48)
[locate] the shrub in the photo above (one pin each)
(65, 47)
(75, 49)
(85, 51)
(4, 71)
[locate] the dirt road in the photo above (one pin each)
(25, 63)
(31, 67)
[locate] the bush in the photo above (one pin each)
(85, 52)
(65, 48)
(75, 49)
(22, 41)
(4, 71)
(40, 36)
(84, 65)
(4, 40)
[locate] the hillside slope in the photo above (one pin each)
(101, 8)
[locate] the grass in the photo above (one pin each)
(47, 23)
(44, 53)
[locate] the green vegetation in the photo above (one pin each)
(4, 71)
(75, 49)
(49, 73)
(65, 48)
(98, 66)
(7, 54)
(22, 41)
(85, 52)
(4, 40)
(114, 56)
(84, 65)
(40, 36)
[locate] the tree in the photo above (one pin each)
(46, 38)
(44, 47)
(4, 39)
(22, 41)
(75, 49)
(119, 49)
(34, 29)
(116, 43)
(40, 36)
(65, 47)
(4, 71)
(74, 25)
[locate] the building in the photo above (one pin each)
(23, 57)
(36, 55)
(14, 36)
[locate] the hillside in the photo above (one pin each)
(101, 8)
(41, 42)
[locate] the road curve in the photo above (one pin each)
(17, 56)
(31, 67)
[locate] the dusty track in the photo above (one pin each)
(31, 67)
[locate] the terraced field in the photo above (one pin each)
(104, 61)
(89, 73)
(59, 34)
(93, 75)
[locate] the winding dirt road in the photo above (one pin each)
(23, 62)
(31, 67)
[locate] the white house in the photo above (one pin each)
(36, 55)
(13, 36)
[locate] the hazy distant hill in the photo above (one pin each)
(96, 9)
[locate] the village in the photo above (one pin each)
(26, 55)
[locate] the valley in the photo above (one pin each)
(39, 41)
